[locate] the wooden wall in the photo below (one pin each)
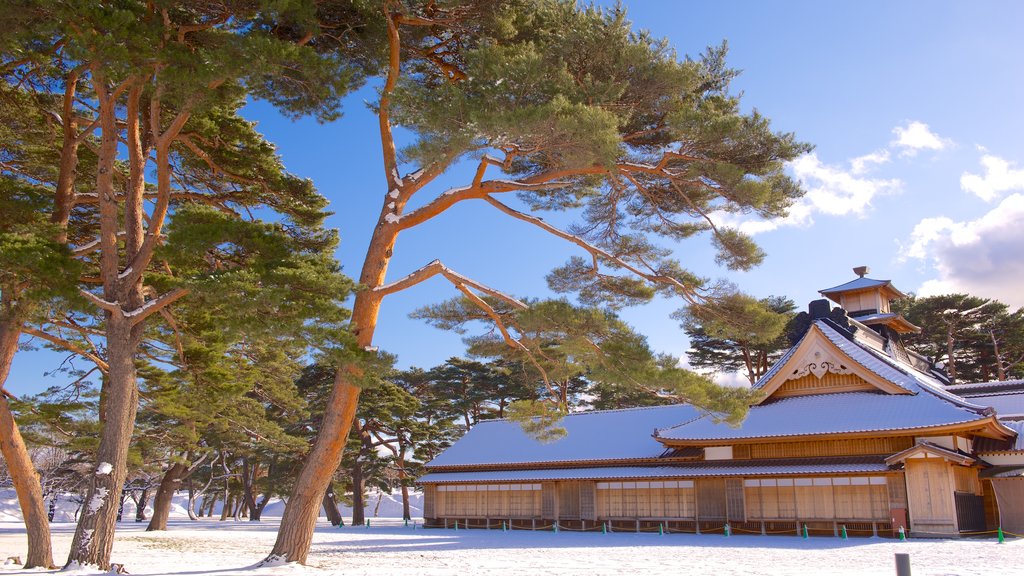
(823, 448)
(829, 383)
(864, 498)
(487, 501)
(841, 498)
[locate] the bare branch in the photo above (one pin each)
(67, 345)
(436, 267)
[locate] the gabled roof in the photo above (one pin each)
(927, 449)
(925, 405)
(822, 349)
(606, 435)
(827, 414)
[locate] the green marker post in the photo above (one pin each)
(999, 531)
(844, 532)
(806, 535)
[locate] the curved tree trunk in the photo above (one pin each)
(331, 507)
(140, 505)
(19, 466)
(299, 520)
(164, 495)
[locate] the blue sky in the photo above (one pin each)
(918, 171)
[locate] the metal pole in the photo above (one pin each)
(902, 564)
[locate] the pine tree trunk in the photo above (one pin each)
(191, 501)
(23, 473)
(299, 520)
(164, 496)
(140, 506)
(406, 512)
(249, 472)
(331, 507)
(358, 493)
(229, 505)
(951, 359)
(94, 536)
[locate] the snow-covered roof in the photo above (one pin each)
(1008, 405)
(858, 284)
(868, 318)
(591, 436)
(977, 388)
(843, 465)
(841, 413)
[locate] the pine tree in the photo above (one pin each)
(739, 334)
(162, 71)
(976, 339)
(577, 111)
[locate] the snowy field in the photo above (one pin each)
(213, 548)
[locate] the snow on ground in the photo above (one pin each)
(209, 547)
(213, 548)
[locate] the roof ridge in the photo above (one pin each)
(590, 412)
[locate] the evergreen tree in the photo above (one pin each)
(975, 339)
(156, 75)
(577, 111)
(739, 334)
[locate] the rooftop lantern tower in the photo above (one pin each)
(868, 301)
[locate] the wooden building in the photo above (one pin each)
(853, 431)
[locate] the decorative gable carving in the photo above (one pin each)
(818, 366)
(817, 360)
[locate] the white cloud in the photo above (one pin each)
(1000, 176)
(917, 136)
(981, 257)
(832, 190)
(838, 190)
(862, 164)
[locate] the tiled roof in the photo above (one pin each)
(1008, 406)
(975, 388)
(599, 435)
(847, 412)
(857, 284)
(787, 467)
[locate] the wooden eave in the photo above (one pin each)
(497, 467)
(816, 338)
(897, 323)
(988, 427)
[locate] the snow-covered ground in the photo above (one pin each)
(213, 548)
